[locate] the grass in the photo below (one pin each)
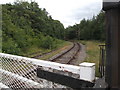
(93, 52)
(34, 51)
(30, 52)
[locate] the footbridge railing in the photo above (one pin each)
(22, 72)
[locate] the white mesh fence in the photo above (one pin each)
(20, 72)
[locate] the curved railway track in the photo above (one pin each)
(41, 55)
(68, 56)
(44, 54)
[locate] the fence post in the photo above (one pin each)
(112, 17)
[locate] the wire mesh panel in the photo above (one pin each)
(15, 81)
(21, 72)
(14, 71)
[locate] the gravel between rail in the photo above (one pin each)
(46, 56)
(74, 55)
(80, 57)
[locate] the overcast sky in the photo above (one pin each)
(69, 12)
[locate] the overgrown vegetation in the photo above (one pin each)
(26, 27)
(93, 52)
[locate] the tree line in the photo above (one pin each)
(25, 25)
(88, 29)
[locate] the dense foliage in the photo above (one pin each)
(25, 25)
(91, 29)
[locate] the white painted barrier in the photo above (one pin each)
(87, 71)
(23, 68)
(43, 63)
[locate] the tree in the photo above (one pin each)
(91, 29)
(25, 25)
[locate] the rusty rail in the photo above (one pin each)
(68, 58)
(74, 54)
(42, 54)
(54, 59)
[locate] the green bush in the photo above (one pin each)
(47, 42)
(10, 47)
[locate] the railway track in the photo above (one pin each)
(68, 56)
(40, 55)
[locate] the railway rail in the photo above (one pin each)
(68, 56)
(40, 55)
